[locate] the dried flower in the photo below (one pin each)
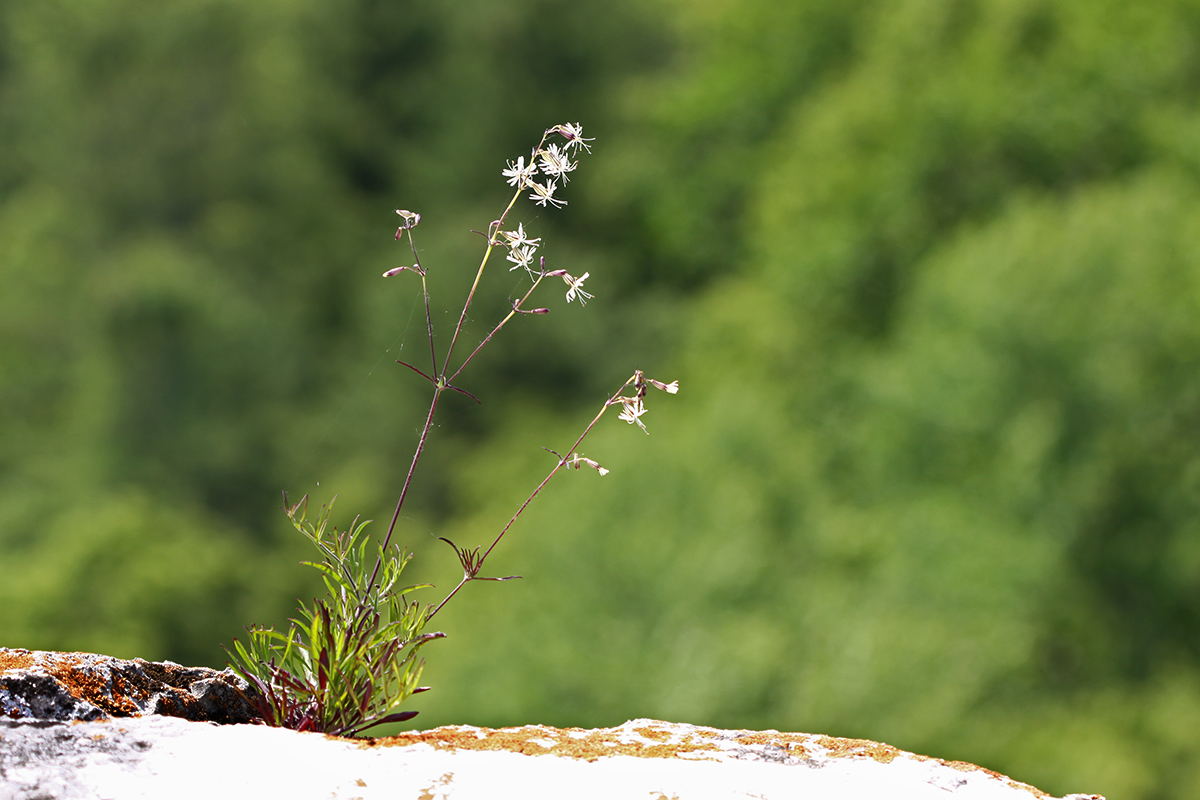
(576, 460)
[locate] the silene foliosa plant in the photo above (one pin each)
(351, 658)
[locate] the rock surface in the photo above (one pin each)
(84, 686)
(76, 727)
(157, 757)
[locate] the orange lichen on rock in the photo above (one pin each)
(640, 739)
(842, 748)
(15, 659)
(87, 685)
(541, 740)
(79, 677)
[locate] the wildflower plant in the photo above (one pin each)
(351, 658)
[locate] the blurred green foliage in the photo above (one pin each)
(927, 272)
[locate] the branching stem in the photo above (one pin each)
(440, 380)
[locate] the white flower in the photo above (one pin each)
(545, 194)
(575, 288)
(518, 238)
(632, 411)
(555, 162)
(521, 256)
(669, 388)
(573, 133)
(518, 174)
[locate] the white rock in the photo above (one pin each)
(166, 757)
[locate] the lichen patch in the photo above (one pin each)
(536, 740)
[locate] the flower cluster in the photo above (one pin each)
(550, 160)
(553, 161)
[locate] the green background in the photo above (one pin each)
(927, 271)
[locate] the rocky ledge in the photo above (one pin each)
(100, 731)
(64, 687)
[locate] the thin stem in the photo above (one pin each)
(428, 314)
(554, 471)
(414, 369)
(478, 276)
(446, 599)
(561, 463)
(496, 330)
(412, 468)
(424, 291)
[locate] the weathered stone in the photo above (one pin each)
(156, 757)
(78, 725)
(84, 686)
